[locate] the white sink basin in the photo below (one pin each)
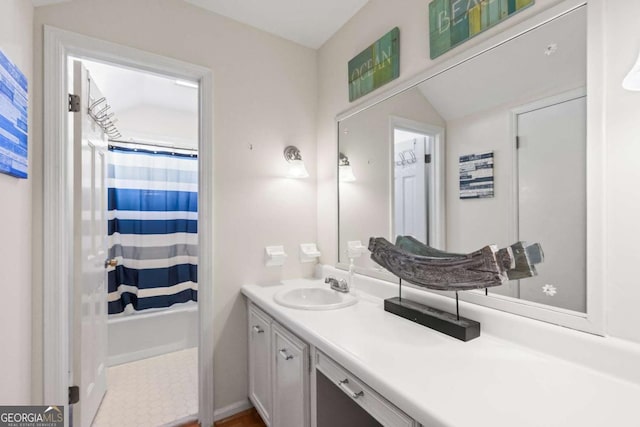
(314, 299)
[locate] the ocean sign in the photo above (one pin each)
(452, 22)
(375, 66)
(13, 119)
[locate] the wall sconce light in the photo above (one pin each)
(632, 80)
(297, 168)
(345, 171)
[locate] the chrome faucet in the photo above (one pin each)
(337, 285)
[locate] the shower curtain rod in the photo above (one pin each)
(156, 145)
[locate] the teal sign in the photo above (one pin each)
(452, 22)
(375, 66)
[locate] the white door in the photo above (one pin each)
(552, 200)
(89, 330)
(410, 192)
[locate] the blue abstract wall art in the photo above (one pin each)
(13, 119)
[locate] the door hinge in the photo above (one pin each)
(74, 394)
(427, 158)
(517, 142)
(74, 103)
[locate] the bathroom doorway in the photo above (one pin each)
(59, 199)
(418, 181)
(412, 161)
(150, 162)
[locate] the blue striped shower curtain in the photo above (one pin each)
(153, 226)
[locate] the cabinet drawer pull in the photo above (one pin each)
(345, 387)
(284, 354)
(258, 329)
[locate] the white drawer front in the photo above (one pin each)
(381, 409)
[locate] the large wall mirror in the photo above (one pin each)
(520, 109)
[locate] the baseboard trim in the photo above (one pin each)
(182, 421)
(229, 410)
(120, 359)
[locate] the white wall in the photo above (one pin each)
(150, 122)
(264, 95)
(485, 131)
(622, 43)
(16, 20)
(622, 135)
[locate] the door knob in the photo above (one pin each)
(110, 262)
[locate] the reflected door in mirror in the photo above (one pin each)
(410, 185)
(552, 199)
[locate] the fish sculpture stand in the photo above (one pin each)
(424, 266)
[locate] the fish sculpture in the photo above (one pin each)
(422, 265)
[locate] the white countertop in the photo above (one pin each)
(441, 381)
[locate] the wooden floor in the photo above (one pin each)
(248, 418)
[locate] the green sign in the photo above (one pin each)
(452, 22)
(375, 66)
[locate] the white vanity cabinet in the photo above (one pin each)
(286, 390)
(278, 372)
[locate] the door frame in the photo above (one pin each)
(58, 197)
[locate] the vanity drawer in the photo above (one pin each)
(381, 409)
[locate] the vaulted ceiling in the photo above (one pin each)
(150, 90)
(306, 22)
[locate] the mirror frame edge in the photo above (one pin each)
(593, 320)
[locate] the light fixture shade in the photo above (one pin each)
(632, 80)
(297, 169)
(345, 173)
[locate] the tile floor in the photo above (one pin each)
(153, 392)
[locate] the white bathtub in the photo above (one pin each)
(152, 333)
